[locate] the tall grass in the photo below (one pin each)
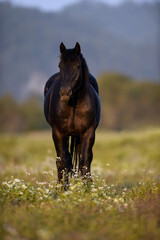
(121, 202)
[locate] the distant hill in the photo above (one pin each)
(122, 39)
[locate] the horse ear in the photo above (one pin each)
(77, 48)
(62, 48)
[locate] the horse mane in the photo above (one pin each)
(85, 70)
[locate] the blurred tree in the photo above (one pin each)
(127, 103)
(18, 117)
(33, 115)
(10, 115)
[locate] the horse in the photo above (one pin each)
(72, 109)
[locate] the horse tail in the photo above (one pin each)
(74, 152)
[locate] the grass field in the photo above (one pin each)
(122, 201)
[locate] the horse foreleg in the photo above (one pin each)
(60, 160)
(64, 160)
(87, 155)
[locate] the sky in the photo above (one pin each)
(54, 5)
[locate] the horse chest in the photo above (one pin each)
(74, 120)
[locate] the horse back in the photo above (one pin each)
(95, 100)
(93, 82)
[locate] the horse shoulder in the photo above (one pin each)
(50, 81)
(48, 94)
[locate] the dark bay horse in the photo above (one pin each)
(72, 108)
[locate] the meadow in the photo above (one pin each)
(121, 202)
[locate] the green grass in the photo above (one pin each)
(121, 202)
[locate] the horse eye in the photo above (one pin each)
(78, 66)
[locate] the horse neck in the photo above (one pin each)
(85, 75)
(81, 91)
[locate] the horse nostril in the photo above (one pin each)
(69, 91)
(61, 91)
(65, 91)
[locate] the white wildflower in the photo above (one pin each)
(24, 186)
(125, 205)
(121, 200)
(115, 200)
(59, 200)
(47, 191)
(16, 180)
(94, 190)
(108, 198)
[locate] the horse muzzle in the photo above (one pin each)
(65, 93)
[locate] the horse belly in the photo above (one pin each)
(73, 125)
(83, 120)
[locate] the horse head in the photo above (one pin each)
(70, 71)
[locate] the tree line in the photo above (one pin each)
(128, 104)
(21, 116)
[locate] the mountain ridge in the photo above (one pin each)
(111, 38)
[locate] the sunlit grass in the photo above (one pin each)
(121, 202)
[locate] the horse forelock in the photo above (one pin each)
(69, 56)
